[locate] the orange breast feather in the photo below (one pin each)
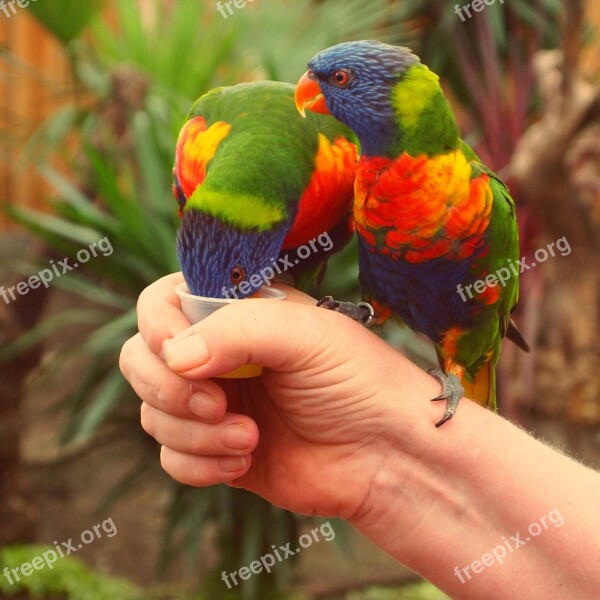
(329, 194)
(421, 208)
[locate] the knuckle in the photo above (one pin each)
(193, 473)
(125, 356)
(142, 298)
(166, 461)
(139, 308)
(166, 394)
(147, 419)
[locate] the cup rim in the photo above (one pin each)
(266, 292)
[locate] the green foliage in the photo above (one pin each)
(279, 37)
(507, 25)
(247, 525)
(135, 214)
(483, 57)
(415, 591)
(66, 18)
(67, 578)
(181, 48)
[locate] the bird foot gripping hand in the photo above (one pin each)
(362, 312)
(452, 391)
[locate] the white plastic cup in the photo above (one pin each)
(197, 308)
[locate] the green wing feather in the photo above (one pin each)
(283, 164)
(482, 344)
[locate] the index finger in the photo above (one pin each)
(159, 312)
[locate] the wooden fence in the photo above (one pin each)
(33, 80)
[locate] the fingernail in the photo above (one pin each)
(203, 406)
(236, 437)
(186, 354)
(231, 464)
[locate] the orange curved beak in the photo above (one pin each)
(309, 96)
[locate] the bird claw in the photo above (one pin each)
(362, 312)
(452, 391)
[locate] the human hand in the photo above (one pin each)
(347, 429)
(321, 408)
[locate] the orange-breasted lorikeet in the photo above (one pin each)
(255, 182)
(431, 219)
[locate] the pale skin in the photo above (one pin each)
(341, 425)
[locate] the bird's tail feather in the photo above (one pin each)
(483, 387)
(513, 334)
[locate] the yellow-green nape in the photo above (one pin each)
(244, 212)
(413, 93)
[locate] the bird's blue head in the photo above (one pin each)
(353, 81)
(219, 260)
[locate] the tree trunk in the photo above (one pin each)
(557, 167)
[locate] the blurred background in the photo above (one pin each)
(93, 93)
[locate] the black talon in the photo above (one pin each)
(362, 312)
(452, 391)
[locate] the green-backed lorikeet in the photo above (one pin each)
(431, 219)
(254, 182)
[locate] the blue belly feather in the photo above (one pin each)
(423, 295)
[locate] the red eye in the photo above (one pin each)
(341, 78)
(237, 275)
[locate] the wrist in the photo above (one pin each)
(445, 498)
(409, 489)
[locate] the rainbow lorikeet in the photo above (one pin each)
(431, 219)
(255, 182)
